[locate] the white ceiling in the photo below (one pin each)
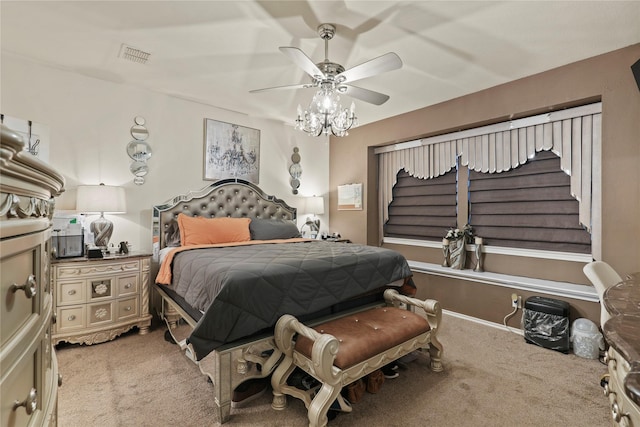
(214, 52)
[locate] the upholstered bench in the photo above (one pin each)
(343, 350)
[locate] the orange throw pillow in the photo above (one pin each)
(203, 231)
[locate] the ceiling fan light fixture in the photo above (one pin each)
(325, 115)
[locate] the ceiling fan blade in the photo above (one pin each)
(302, 86)
(366, 95)
(301, 60)
(387, 62)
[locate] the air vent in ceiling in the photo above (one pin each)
(133, 54)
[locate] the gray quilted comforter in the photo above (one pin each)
(244, 290)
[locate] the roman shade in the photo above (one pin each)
(572, 134)
(530, 206)
(422, 209)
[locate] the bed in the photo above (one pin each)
(230, 262)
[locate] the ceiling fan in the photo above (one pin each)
(330, 75)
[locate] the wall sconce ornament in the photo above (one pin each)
(139, 150)
(295, 170)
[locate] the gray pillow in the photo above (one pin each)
(269, 229)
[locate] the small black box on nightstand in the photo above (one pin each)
(94, 253)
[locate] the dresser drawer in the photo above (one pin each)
(16, 386)
(70, 318)
(20, 266)
(128, 285)
(127, 308)
(623, 411)
(70, 292)
(100, 313)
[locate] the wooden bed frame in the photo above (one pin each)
(232, 364)
(255, 357)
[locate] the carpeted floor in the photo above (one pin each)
(492, 378)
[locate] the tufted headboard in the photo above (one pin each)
(224, 198)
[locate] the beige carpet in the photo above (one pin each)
(491, 378)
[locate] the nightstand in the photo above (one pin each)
(95, 300)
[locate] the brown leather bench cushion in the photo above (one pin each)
(363, 335)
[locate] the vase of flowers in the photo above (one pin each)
(457, 239)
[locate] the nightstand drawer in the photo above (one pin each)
(70, 293)
(100, 313)
(101, 288)
(97, 268)
(70, 318)
(127, 308)
(128, 285)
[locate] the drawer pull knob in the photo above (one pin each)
(71, 318)
(59, 380)
(30, 403)
(72, 292)
(127, 286)
(128, 308)
(30, 287)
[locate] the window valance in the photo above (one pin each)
(571, 134)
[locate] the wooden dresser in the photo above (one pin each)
(95, 300)
(622, 332)
(29, 377)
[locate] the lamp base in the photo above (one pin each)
(314, 228)
(102, 229)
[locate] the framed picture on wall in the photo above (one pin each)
(231, 151)
(350, 197)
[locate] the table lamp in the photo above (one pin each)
(314, 206)
(101, 199)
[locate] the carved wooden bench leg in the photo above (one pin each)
(435, 351)
(320, 404)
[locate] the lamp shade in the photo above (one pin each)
(315, 205)
(101, 199)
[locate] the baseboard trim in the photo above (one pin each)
(483, 322)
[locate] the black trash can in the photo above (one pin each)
(545, 322)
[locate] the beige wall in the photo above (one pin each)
(89, 121)
(606, 77)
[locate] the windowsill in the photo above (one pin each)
(561, 289)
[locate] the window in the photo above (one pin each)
(503, 176)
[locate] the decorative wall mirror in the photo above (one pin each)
(139, 150)
(295, 170)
